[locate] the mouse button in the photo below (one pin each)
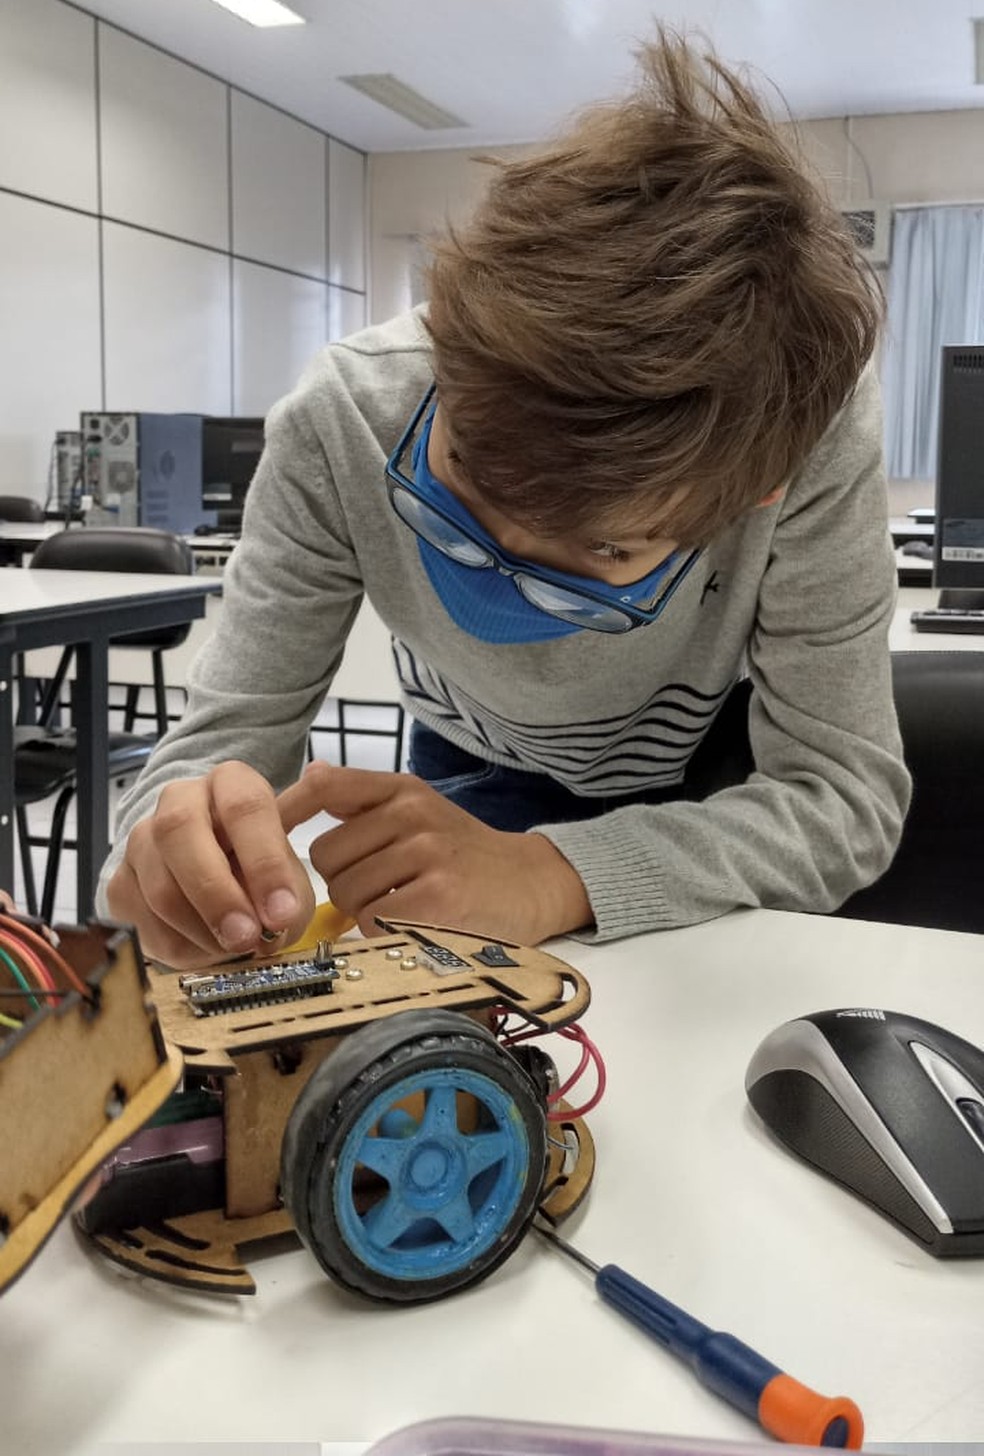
(949, 1078)
(859, 1036)
(808, 1119)
(945, 1136)
(955, 1086)
(962, 1055)
(973, 1114)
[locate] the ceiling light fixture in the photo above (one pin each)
(398, 97)
(264, 13)
(979, 52)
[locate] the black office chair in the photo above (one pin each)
(122, 548)
(18, 510)
(44, 754)
(937, 876)
(343, 728)
(21, 508)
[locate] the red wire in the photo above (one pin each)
(589, 1053)
(22, 932)
(29, 961)
(578, 1072)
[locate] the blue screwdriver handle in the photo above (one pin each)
(733, 1370)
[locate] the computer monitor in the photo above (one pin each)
(959, 541)
(231, 450)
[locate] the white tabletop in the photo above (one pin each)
(903, 637)
(690, 1195)
(29, 530)
(40, 590)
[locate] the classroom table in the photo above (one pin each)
(691, 1194)
(19, 538)
(44, 608)
(903, 637)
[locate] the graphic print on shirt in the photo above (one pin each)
(648, 747)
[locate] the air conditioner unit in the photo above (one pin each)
(870, 225)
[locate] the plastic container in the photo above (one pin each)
(462, 1437)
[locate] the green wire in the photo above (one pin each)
(18, 976)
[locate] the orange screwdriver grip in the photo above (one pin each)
(793, 1412)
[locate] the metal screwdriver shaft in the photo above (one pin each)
(780, 1404)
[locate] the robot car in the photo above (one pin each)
(384, 1098)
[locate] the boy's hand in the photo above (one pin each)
(404, 851)
(210, 870)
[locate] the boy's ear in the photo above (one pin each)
(772, 497)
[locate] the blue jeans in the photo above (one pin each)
(512, 799)
(505, 798)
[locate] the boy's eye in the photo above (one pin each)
(608, 550)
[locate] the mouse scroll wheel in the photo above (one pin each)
(973, 1114)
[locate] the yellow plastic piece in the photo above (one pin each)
(327, 923)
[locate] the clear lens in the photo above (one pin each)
(570, 606)
(442, 534)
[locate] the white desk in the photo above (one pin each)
(20, 538)
(42, 608)
(690, 1194)
(903, 637)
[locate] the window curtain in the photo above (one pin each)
(935, 297)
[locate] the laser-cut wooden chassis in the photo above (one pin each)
(76, 1081)
(261, 1058)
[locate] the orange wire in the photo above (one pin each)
(28, 961)
(21, 931)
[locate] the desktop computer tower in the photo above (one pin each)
(959, 543)
(143, 470)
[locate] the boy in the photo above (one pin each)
(630, 455)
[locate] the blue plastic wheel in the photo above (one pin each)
(416, 1172)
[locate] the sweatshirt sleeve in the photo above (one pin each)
(821, 814)
(290, 593)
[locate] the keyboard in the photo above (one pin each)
(948, 619)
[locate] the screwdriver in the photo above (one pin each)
(780, 1404)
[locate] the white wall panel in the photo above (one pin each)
(279, 323)
(48, 102)
(49, 343)
(346, 216)
(167, 312)
(164, 142)
(278, 188)
(346, 312)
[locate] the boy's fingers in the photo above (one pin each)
(184, 873)
(175, 943)
(340, 792)
(246, 807)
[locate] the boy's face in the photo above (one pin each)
(618, 560)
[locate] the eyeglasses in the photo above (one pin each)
(541, 587)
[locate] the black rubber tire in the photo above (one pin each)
(366, 1062)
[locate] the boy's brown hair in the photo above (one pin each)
(651, 323)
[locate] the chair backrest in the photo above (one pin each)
(20, 508)
(937, 876)
(122, 548)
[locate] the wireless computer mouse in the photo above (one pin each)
(891, 1107)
